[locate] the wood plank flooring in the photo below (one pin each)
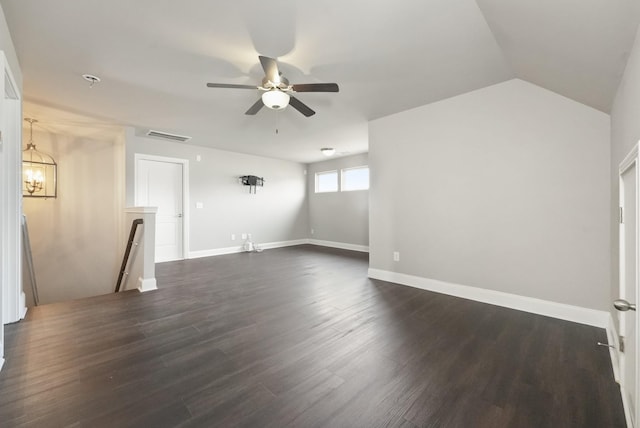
(299, 337)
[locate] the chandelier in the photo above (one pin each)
(39, 170)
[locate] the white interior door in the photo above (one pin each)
(627, 315)
(160, 184)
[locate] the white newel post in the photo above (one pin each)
(142, 266)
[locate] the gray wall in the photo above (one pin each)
(76, 239)
(625, 133)
(341, 217)
(505, 188)
(277, 212)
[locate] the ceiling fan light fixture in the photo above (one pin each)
(328, 151)
(275, 99)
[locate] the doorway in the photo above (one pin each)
(163, 183)
(628, 291)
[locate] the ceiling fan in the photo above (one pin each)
(277, 90)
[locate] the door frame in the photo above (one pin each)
(12, 297)
(632, 159)
(185, 191)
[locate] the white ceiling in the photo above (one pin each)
(156, 56)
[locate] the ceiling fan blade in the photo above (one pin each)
(316, 87)
(300, 106)
(270, 67)
(230, 85)
(255, 108)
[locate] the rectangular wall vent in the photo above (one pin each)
(167, 136)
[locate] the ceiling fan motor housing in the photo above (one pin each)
(283, 83)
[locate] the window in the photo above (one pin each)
(355, 178)
(326, 181)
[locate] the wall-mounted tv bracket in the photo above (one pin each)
(252, 181)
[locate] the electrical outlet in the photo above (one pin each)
(198, 158)
(396, 256)
(249, 236)
(199, 205)
(244, 236)
(313, 231)
(233, 236)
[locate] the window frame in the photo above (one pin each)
(317, 181)
(342, 178)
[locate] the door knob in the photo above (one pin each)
(623, 306)
(179, 215)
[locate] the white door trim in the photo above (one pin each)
(629, 161)
(185, 191)
(13, 298)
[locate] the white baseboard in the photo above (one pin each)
(522, 303)
(240, 249)
(281, 244)
(23, 305)
(214, 252)
(341, 245)
(278, 244)
(147, 284)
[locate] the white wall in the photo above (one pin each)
(341, 217)
(6, 45)
(77, 239)
(625, 133)
(505, 188)
(10, 209)
(277, 212)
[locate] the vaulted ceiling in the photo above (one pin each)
(155, 57)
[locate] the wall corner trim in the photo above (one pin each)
(147, 284)
(1, 363)
(547, 308)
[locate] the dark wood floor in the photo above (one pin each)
(299, 337)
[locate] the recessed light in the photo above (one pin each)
(328, 151)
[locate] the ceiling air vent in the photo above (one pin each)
(167, 136)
